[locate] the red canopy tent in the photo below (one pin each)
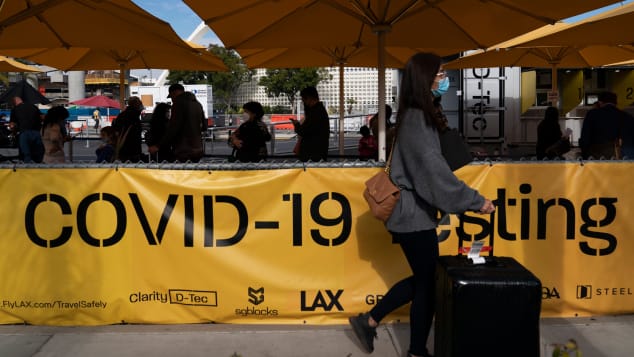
(99, 101)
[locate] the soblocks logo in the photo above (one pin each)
(256, 297)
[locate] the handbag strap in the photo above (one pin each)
(388, 164)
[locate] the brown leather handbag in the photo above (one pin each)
(381, 193)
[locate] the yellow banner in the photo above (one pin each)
(528, 94)
(622, 85)
(571, 90)
(100, 246)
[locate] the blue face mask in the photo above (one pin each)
(443, 87)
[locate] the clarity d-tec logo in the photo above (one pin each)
(256, 297)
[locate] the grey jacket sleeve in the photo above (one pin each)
(426, 181)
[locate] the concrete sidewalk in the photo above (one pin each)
(605, 336)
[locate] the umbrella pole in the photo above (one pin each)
(381, 31)
(554, 86)
(342, 110)
(121, 85)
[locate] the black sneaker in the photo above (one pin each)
(364, 332)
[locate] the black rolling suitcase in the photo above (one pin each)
(489, 309)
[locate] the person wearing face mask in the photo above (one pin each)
(442, 86)
(250, 138)
(315, 129)
(427, 185)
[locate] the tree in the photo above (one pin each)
(187, 77)
(224, 84)
(289, 81)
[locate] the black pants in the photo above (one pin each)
(421, 251)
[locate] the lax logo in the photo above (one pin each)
(256, 296)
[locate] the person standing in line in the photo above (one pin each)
(106, 151)
(250, 138)
(53, 135)
(185, 127)
(368, 147)
(627, 136)
(427, 185)
(127, 126)
(315, 129)
(158, 126)
(26, 120)
(548, 133)
(600, 131)
(374, 121)
(389, 128)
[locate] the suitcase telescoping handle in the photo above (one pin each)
(464, 250)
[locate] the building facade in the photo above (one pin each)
(360, 90)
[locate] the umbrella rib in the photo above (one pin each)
(627, 49)
(338, 54)
(50, 28)
(176, 40)
(365, 11)
(270, 25)
(238, 10)
(544, 19)
(409, 11)
(147, 65)
(29, 12)
(464, 32)
(404, 11)
(547, 56)
(383, 20)
(359, 14)
(334, 53)
(524, 54)
(140, 11)
(35, 11)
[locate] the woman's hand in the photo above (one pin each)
(235, 142)
(487, 207)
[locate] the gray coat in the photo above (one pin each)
(426, 181)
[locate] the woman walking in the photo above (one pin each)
(427, 185)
